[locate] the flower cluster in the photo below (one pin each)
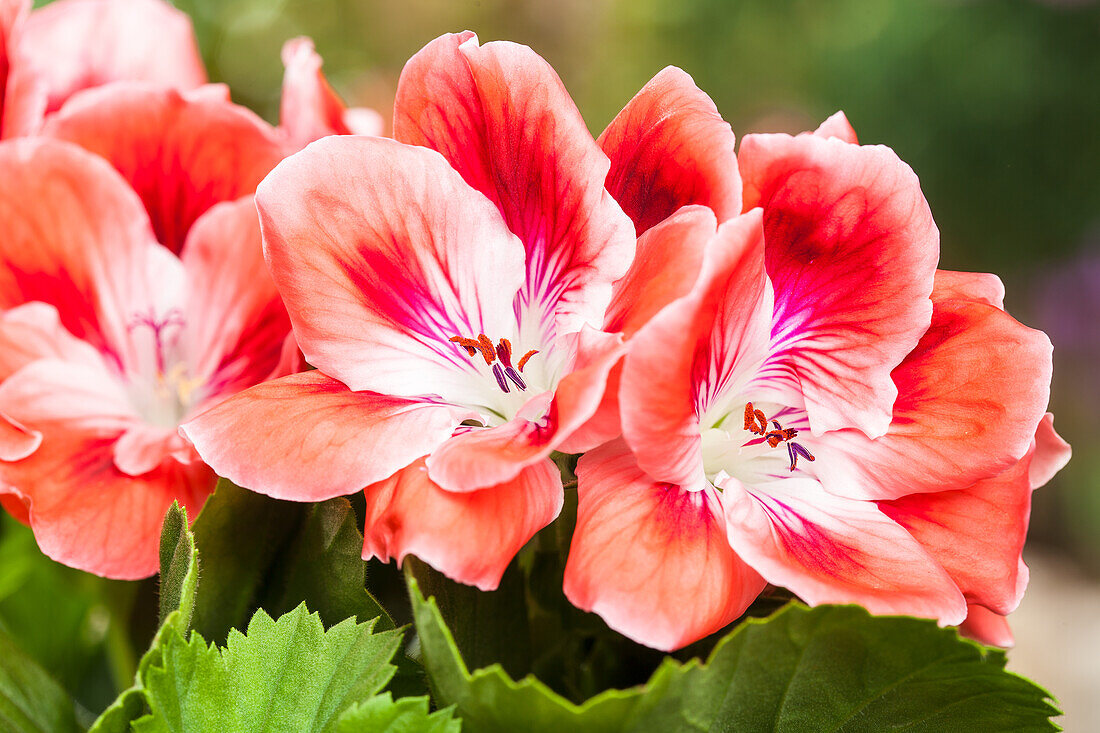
(766, 377)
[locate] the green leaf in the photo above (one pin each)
(381, 714)
(489, 700)
(179, 573)
(833, 668)
(285, 675)
(30, 700)
(838, 668)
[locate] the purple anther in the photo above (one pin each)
(498, 372)
(515, 377)
(777, 425)
(794, 450)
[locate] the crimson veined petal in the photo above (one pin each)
(469, 537)
(829, 549)
(501, 117)
(382, 255)
(650, 558)
(669, 147)
(73, 235)
(182, 153)
(320, 439)
(851, 252)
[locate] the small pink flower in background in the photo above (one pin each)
(137, 297)
(449, 296)
(805, 415)
(50, 54)
(310, 109)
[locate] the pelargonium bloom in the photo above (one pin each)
(447, 286)
(310, 109)
(50, 54)
(109, 341)
(807, 415)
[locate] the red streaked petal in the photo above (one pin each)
(669, 147)
(970, 396)
(851, 252)
(72, 45)
(837, 125)
(319, 439)
(500, 115)
(665, 268)
(73, 235)
(687, 355)
(309, 109)
(469, 537)
(987, 626)
(652, 559)
(382, 253)
(182, 153)
(828, 549)
(236, 321)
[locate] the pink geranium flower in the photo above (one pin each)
(310, 109)
(446, 287)
(48, 55)
(110, 338)
(806, 415)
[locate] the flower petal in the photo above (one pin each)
(320, 439)
(1051, 453)
(72, 45)
(970, 396)
(73, 235)
(979, 287)
(182, 153)
(665, 268)
(851, 252)
(651, 559)
(837, 126)
(987, 626)
(502, 118)
(669, 147)
(828, 549)
(310, 109)
(469, 537)
(83, 510)
(382, 254)
(691, 353)
(236, 321)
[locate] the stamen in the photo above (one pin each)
(794, 450)
(525, 357)
(504, 352)
(515, 377)
(498, 372)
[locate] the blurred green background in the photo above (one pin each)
(995, 104)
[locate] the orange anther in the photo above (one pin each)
(525, 357)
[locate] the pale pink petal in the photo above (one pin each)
(669, 147)
(851, 252)
(181, 153)
(143, 448)
(73, 235)
(320, 439)
(970, 396)
(665, 268)
(837, 126)
(987, 626)
(236, 322)
(689, 354)
(364, 121)
(485, 457)
(17, 441)
(1051, 453)
(980, 287)
(309, 109)
(651, 559)
(83, 510)
(469, 537)
(828, 549)
(12, 15)
(382, 254)
(77, 44)
(501, 116)
(33, 331)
